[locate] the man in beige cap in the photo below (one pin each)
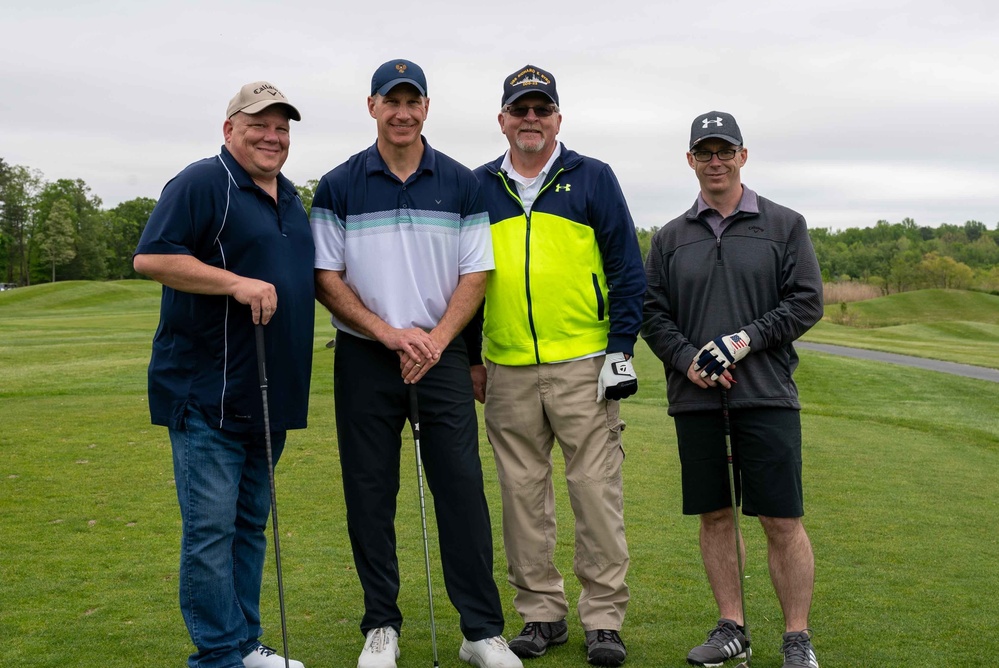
(229, 240)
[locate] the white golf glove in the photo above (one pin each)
(617, 379)
(718, 354)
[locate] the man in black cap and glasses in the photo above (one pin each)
(733, 282)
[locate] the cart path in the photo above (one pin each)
(966, 370)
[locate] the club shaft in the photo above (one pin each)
(262, 370)
(735, 518)
(414, 418)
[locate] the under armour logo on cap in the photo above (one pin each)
(715, 124)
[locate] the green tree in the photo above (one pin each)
(941, 271)
(308, 192)
(54, 237)
(904, 273)
(974, 229)
(89, 239)
(123, 225)
(18, 196)
(645, 239)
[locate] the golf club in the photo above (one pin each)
(414, 420)
(262, 368)
(738, 533)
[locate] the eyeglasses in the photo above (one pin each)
(724, 154)
(522, 111)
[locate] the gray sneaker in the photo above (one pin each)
(725, 641)
(535, 638)
(798, 651)
(605, 648)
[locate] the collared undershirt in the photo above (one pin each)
(528, 188)
(747, 204)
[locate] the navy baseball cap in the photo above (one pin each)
(715, 124)
(395, 72)
(529, 79)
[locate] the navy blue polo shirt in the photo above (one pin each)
(204, 350)
(403, 246)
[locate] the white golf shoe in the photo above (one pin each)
(265, 657)
(381, 648)
(489, 653)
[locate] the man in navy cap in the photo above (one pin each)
(402, 253)
(733, 282)
(562, 313)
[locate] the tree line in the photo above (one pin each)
(898, 257)
(59, 230)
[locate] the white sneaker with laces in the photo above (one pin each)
(489, 653)
(381, 648)
(265, 657)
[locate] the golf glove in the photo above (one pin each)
(617, 379)
(718, 354)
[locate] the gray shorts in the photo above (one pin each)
(766, 449)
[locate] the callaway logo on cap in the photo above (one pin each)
(257, 96)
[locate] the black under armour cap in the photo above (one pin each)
(715, 124)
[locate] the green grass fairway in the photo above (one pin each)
(901, 470)
(950, 325)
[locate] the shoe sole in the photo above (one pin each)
(604, 660)
(716, 665)
(468, 657)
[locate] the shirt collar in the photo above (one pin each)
(374, 163)
(243, 179)
(507, 167)
(748, 203)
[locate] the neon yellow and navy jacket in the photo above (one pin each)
(569, 279)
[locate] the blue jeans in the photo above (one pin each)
(224, 494)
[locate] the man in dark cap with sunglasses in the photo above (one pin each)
(561, 316)
(734, 282)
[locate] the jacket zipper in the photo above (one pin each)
(527, 254)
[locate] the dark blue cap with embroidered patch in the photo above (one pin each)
(529, 79)
(395, 72)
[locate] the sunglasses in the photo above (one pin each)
(521, 111)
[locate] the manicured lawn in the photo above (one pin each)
(950, 325)
(900, 479)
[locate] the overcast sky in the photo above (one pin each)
(852, 111)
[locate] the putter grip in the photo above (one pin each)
(261, 356)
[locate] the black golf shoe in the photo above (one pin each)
(798, 651)
(605, 648)
(725, 641)
(535, 638)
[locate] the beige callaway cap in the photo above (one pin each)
(257, 96)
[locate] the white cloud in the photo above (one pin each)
(852, 111)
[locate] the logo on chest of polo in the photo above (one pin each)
(563, 187)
